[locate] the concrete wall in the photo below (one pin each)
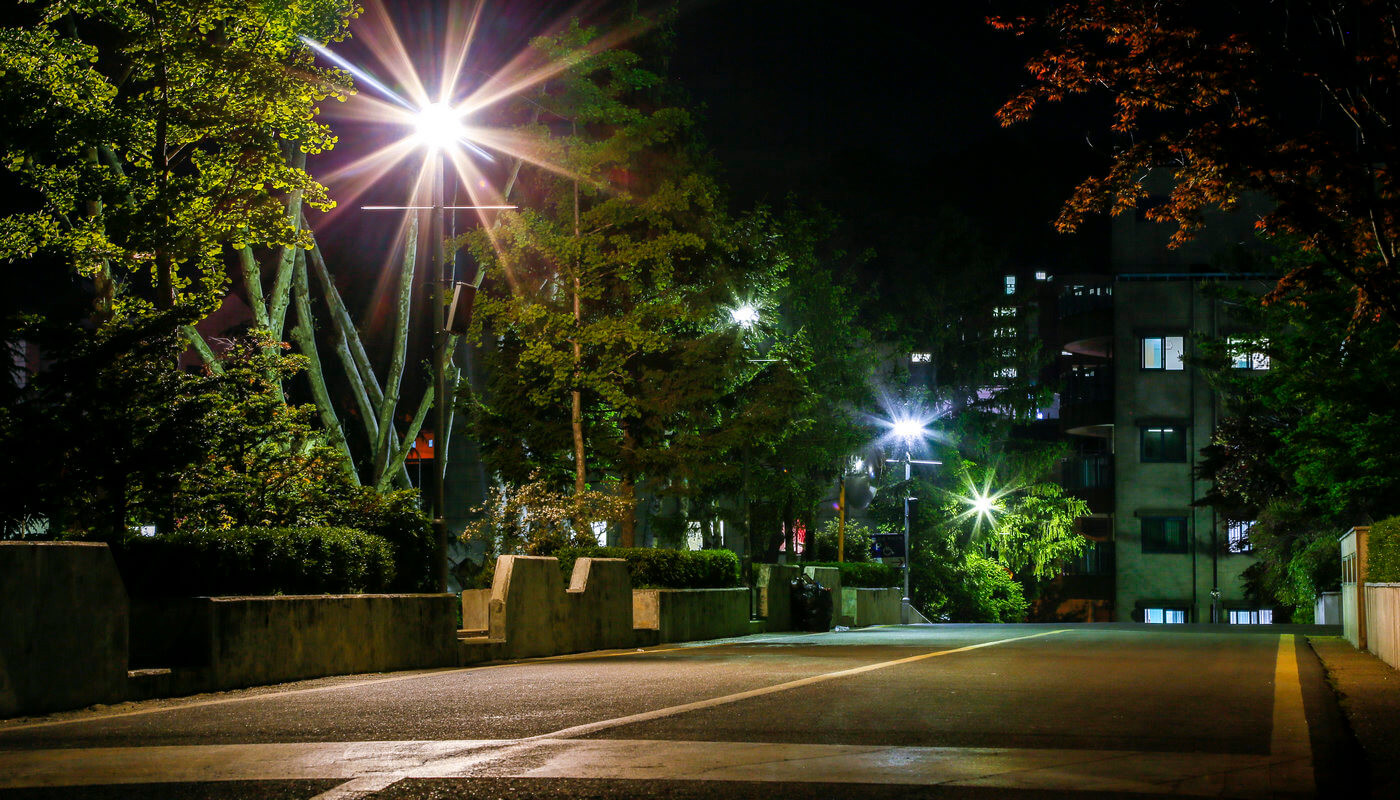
(773, 594)
(830, 577)
(1354, 552)
(261, 640)
(683, 615)
(531, 614)
(871, 606)
(63, 627)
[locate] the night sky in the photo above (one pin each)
(882, 113)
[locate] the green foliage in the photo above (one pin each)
(949, 585)
(859, 544)
(1383, 552)
(657, 568)
(255, 561)
(867, 575)
(535, 519)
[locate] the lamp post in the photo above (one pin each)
(904, 605)
(436, 128)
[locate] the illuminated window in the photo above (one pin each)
(1237, 535)
(1164, 616)
(1011, 284)
(921, 358)
(1042, 275)
(1248, 616)
(1004, 333)
(1007, 372)
(1163, 352)
(1004, 311)
(1164, 444)
(1164, 535)
(1242, 356)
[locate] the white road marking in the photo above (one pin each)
(593, 727)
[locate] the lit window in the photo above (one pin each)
(921, 358)
(1164, 616)
(1011, 284)
(1008, 372)
(1165, 444)
(1247, 616)
(1243, 356)
(1237, 535)
(1163, 352)
(1004, 333)
(1004, 311)
(600, 532)
(1042, 275)
(1164, 535)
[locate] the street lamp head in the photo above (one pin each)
(745, 316)
(437, 126)
(907, 429)
(983, 504)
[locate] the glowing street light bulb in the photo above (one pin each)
(745, 315)
(983, 504)
(907, 429)
(436, 126)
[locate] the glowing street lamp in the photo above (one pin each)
(745, 316)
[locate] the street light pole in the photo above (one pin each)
(905, 605)
(438, 269)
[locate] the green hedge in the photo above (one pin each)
(256, 561)
(863, 575)
(657, 568)
(1383, 552)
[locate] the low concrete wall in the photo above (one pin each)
(63, 627)
(261, 640)
(871, 606)
(1383, 621)
(685, 615)
(773, 594)
(1353, 551)
(530, 614)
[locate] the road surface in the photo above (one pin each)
(977, 711)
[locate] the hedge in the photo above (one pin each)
(1383, 552)
(658, 568)
(863, 574)
(256, 561)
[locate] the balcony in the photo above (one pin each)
(1090, 478)
(1086, 318)
(1086, 402)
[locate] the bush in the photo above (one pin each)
(860, 541)
(656, 568)
(398, 518)
(870, 575)
(256, 561)
(949, 586)
(1383, 552)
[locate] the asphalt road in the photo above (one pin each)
(1023, 711)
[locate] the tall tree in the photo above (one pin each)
(1294, 100)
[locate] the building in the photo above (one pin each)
(1137, 414)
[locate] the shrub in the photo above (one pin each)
(869, 575)
(1383, 552)
(859, 544)
(256, 561)
(398, 518)
(656, 568)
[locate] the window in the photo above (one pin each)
(1165, 444)
(1042, 275)
(1245, 616)
(1237, 535)
(1163, 352)
(1004, 333)
(1005, 372)
(1164, 616)
(921, 358)
(1004, 311)
(1243, 356)
(1011, 284)
(1164, 534)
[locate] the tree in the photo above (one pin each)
(1308, 446)
(149, 137)
(1295, 101)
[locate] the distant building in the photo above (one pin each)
(1137, 414)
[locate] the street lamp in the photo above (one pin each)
(908, 460)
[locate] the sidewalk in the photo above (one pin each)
(1368, 690)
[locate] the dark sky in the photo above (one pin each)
(882, 112)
